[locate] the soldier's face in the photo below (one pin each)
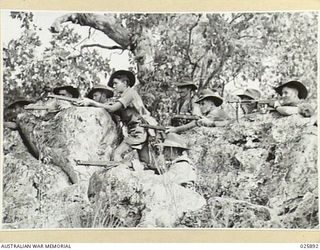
(206, 105)
(64, 92)
(247, 107)
(184, 91)
(289, 95)
(99, 96)
(170, 153)
(119, 85)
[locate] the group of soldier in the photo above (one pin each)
(132, 113)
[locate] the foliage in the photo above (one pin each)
(216, 49)
(28, 72)
(219, 51)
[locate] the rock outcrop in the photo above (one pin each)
(39, 194)
(259, 173)
(268, 162)
(141, 198)
(76, 133)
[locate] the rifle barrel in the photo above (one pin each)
(38, 108)
(252, 101)
(98, 163)
(189, 117)
(64, 98)
(153, 127)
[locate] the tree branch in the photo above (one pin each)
(100, 46)
(223, 55)
(107, 23)
(247, 36)
(236, 17)
(195, 65)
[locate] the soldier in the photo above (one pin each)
(12, 122)
(13, 110)
(100, 93)
(212, 115)
(180, 168)
(55, 104)
(66, 90)
(132, 112)
(247, 95)
(186, 103)
(291, 95)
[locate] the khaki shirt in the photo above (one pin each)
(134, 108)
(187, 106)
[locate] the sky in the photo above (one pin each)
(10, 29)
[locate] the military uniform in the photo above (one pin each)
(133, 113)
(214, 115)
(185, 105)
(180, 170)
(249, 94)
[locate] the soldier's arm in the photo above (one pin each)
(122, 103)
(113, 107)
(287, 110)
(222, 123)
(109, 107)
(216, 119)
(182, 128)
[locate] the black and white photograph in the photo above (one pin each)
(189, 120)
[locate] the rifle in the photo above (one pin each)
(106, 164)
(155, 127)
(40, 108)
(64, 98)
(252, 101)
(239, 102)
(184, 116)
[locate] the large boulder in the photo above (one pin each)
(139, 198)
(75, 133)
(31, 189)
(39, 194)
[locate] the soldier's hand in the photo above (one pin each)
(63, 105)
(274, 104)
(306, 110)
(171, 130)
(85, 102)
(271, 103)
(205, 122)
